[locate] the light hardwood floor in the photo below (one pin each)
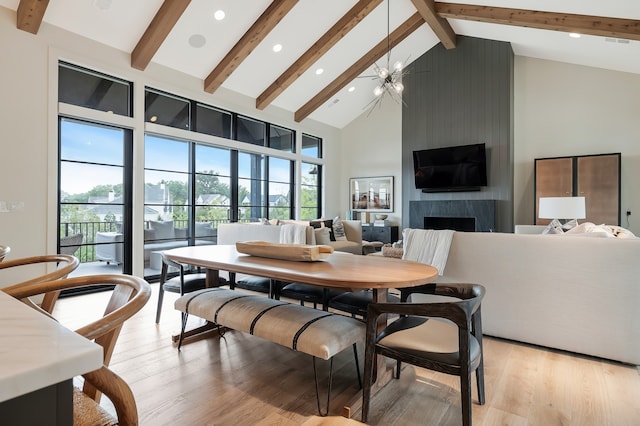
(243, 380)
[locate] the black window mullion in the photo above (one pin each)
(191, 226)
(234, 181)
(292, 186)
(127, 195)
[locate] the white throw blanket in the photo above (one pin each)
(427, 246)
(293, 233)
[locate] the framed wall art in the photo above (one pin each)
(371, 194)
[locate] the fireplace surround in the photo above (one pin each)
(482, 212)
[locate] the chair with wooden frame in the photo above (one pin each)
(129, 295)
(441, 333)
(4, 251)
(25, 266)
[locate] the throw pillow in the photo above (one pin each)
(338, 230)
(324, 223)
(162, 230)
(322, 236)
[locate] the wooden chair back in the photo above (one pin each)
(65, 264)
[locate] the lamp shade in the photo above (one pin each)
(561, 208)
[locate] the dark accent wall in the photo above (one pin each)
(459, 97)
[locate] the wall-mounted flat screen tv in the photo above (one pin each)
(453, 168)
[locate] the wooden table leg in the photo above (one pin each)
(212, 278)
(384, 373)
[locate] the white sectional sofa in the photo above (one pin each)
(576, 293)
(230, 233)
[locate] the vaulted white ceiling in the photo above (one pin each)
(198, 43)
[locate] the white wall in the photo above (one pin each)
(563, 109)
(371, 146)
(560, 109)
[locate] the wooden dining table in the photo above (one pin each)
(338, 270)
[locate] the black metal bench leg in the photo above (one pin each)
(315, 374)
(355, 355)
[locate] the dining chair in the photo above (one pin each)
(4, 251)
(128, 296)
(33, 266)
(70, 244)
(308, 293)
(181, 284)
(356, 303)
(441, 332)
(254, 283)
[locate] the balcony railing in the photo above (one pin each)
(86, 251)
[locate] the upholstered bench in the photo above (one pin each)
(318, 333)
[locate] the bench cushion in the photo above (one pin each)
(318, 333)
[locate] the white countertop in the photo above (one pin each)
(36, 351)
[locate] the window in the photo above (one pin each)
(280, 188)
(168, 110)
(94, 192)
(311, 146)
(82, 87)
(212, 121)
(190, 186)
(250, 131)
(251, 187)
(166, 190)
(212, 189)
(310, 191)
(281, 138)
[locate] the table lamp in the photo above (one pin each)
(568, 208)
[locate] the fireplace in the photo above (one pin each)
(465, 224)
(480, 212)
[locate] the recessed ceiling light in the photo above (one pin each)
(319, 71)
(574, 35)
(219, 15)
(153, 118)
(352, 89)
(197, 40)
(277, 47)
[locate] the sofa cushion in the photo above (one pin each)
(180, 232)
(347, 246)
(162, 230)
(324, 223)
(322, 236)
(204, 229)
(149, 234)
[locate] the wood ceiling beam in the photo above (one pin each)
(30, 14)
(361, 65)
(258, 31)
(438, 24)
(566, 22)
(348, 22)
(157, 31)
